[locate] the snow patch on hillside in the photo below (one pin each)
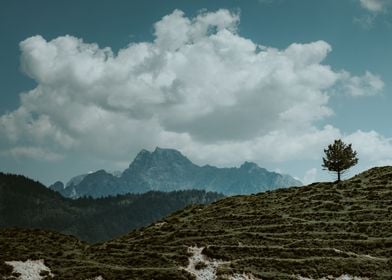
(30, 270)
(204, 268)
(243, 276)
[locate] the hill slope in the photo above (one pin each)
(28, 204)
(313, 231)
(169, 170)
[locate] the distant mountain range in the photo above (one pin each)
(168, 170)
(320, 231)
(28, 204)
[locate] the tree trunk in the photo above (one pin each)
(338, 176)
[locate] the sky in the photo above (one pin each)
(85, 85)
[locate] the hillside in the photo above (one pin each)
(168, 170)
(320, 230)
(28, 204)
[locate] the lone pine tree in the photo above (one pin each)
(339, 157)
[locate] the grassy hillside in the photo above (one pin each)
(313, 231)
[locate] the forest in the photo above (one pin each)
(29, 204)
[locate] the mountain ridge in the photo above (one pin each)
(320, 231)
(169, 170)
(29, 204)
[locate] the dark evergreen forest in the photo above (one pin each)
(29, 204)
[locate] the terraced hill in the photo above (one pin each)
(320, 230)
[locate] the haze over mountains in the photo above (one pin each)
(169, 170)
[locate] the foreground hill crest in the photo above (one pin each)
(169, 170)
(321, 231)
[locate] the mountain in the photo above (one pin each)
(168, 170)
(28, 204)
(97, 184)
(321, 231)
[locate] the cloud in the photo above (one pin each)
(371, 146)
(365, 21)
(375, 6)
(275, 147)
(366, 85)
(266, 1)
(310, 176)
(35, 153)
(198, 86)
(373, 149)
(375, 9)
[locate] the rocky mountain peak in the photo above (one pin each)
(247, 165)
(96, 176)
(143, 154)
(57, 186)
(159, 157)
(169, 155)
(169, 170)
(75, 180)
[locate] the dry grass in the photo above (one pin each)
(314, 231)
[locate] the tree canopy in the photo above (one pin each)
(339, 157)
(29, 204)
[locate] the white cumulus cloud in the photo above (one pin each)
(375, 5)
(199, 86)
(368, 84)
(371, 146)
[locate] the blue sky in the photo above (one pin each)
(87, 84)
